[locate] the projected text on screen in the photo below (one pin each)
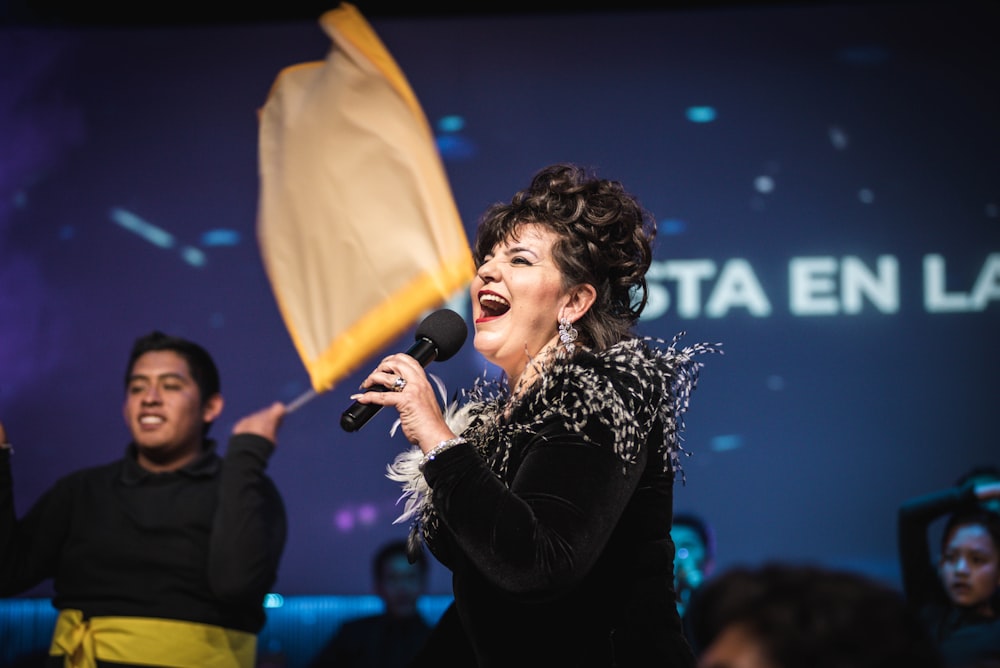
(817, 286)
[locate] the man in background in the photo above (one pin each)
(391, 638)
(162, 557)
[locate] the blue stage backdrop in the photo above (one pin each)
(827, 185)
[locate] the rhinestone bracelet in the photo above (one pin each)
(438, 449)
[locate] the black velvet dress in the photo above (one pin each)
(555, 517)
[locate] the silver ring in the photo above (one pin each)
(398, 384)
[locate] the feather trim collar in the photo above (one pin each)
(627, 387)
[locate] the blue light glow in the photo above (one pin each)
(220, 237)
(703, 114)
(455, 147)
(763, 184)
(726, 442)
(193, 256)
(453, 123)
(672, 226)
(146, 230)
(274, 601)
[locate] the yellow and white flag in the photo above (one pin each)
(357, 225)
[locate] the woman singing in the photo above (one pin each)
(549, 492)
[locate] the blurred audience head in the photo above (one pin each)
(802, 616)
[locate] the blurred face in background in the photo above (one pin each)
(736, 646)
(400, 586)
(691, 563)
(970, 567)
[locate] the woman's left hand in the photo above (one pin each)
(410, 392)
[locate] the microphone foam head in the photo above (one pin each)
(446, 330)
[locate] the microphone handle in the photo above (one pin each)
(423, 350)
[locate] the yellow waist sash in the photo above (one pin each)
(149, 641)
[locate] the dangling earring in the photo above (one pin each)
(567, 334)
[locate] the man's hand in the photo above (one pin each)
(264, 422)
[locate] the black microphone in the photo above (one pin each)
(439, 336)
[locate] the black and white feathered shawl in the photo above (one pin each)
(628, 388)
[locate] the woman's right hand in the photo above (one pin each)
(420, 416)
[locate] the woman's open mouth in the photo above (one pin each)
(492, 305)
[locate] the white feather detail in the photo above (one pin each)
(405, 468)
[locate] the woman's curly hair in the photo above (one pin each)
(605, 239)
